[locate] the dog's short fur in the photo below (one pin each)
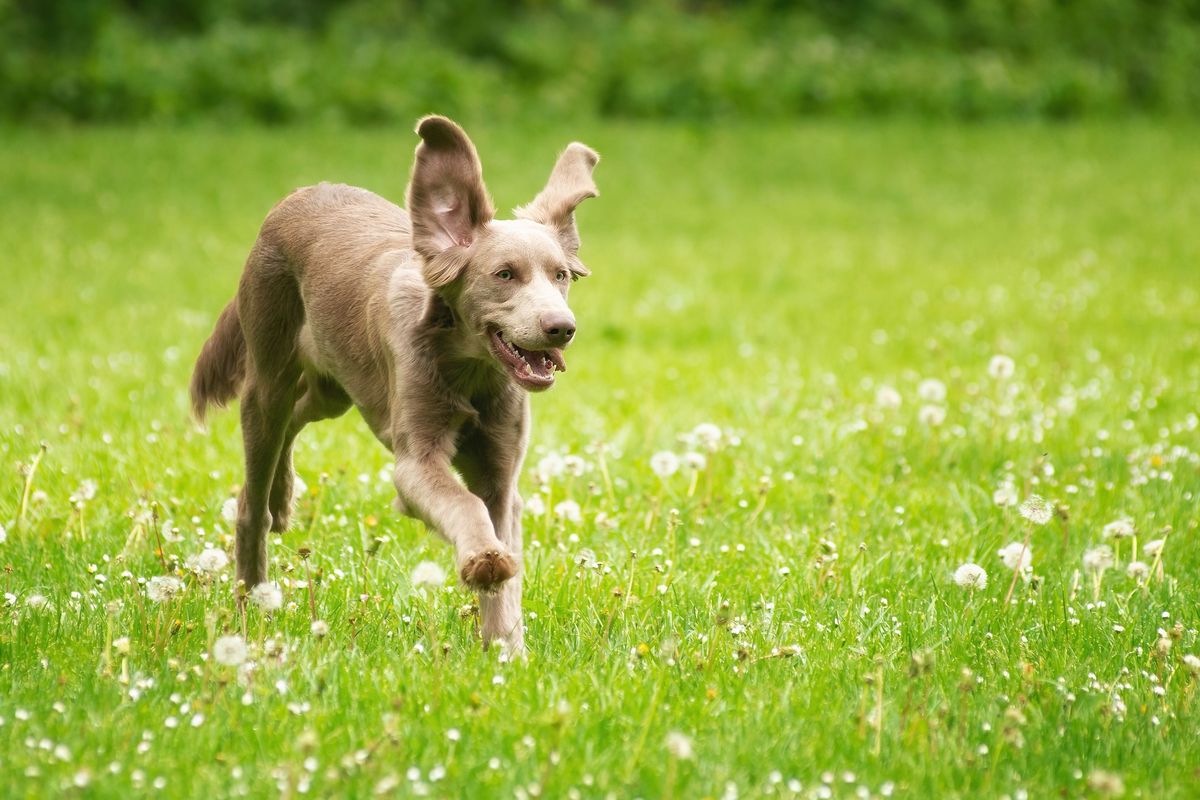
(434, 323)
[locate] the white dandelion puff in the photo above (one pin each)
(267, 596)
(664, 463)
(888, 397)
(230, 650)
(551, 466)
(931, 390)
(535, 506)
(1138, 570)
(229, 510)
(693, 461)
(212, 560)
(1098, 559)
(1006, 495)
(931, 415)
(708, 436)
(1119, 529)
(568, 510)
(1017, 555)
(427, 573)
(162, 588)
(679, 745)
(1153, 547)
(1192, 663)
(319, 628)
(1001, 367)
(971, 576)
(1037, 510)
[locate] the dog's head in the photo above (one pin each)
(505, 281)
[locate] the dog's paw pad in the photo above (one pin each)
(486, 571)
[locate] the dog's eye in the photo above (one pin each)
(504, 274)
(561, 276)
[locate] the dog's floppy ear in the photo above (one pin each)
(447, 199)
(569, 185)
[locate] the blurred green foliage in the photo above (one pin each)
(282, 60)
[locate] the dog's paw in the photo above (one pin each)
(280, 521)
(485, 572)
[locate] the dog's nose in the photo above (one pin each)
(558, 327)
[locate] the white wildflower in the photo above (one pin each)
(1037, 510)
(1001, 367)
(229, 650)
(1098, 559)
(708, 436)
(319, 628)
(664, 463)
(229, 510)
(162, 588)
(1006, 495)
(888, 397)
(971, 576)
(121, 645)
(1138, 570)
(267, 596)
(1017, 555)
(931, 415)
(427, 573)
(1153, 547)
(1119, 529)
(679, 745)
(931, 390)
(574, 465)
(551, 466)
(568, 510)
(212, 560)
(535, 505)
(694, 462)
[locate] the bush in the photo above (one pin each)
(366, 62)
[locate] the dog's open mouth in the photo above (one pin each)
(533, 369)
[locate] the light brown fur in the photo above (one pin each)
(346, 299)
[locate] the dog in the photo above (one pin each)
(435, 323)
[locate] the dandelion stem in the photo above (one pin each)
(37, 459)
(1016, 569)
(158, 549)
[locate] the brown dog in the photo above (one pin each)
(434, 323)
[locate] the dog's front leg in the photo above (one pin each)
(430, 492)
(500, 613)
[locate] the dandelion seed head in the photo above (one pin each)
(1119, 529)
(664, 463)
(1098, 559)
(1036, 509)
(229, 510)
(679, 745)
(1001, 367)
(162, 588)
(212, 560)
(230, 651)
(931, 415)
(931, 390)
(888, 397)
(267, 596)
(1017, 555)
(429, 574)
(971, 576)
(568, 510)
(319, 628)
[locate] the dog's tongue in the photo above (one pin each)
(555, 354)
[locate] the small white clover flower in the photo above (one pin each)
(664, 463)
(1006, 495)
(230, 651)
(1017, 556)
(267, 596)
(319, 628)
(1138, 570)
(888, 397)
(568, 510)
(212, 560)
(162, 588)
(229, 510)
(1001, 367)
(931, 415)
(1098, 559)
(1037, 510)
(679, 745)
(694, 462)
(971, 576)
(708, 436)
(931, 390)
(427, 573)
(1119, 529)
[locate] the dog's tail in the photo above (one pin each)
(221, 365)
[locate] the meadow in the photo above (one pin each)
(874, 474)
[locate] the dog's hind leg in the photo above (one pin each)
(321, 398)
(272, 314)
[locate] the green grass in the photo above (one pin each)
(767, 280)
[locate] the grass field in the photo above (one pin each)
(782, 621)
